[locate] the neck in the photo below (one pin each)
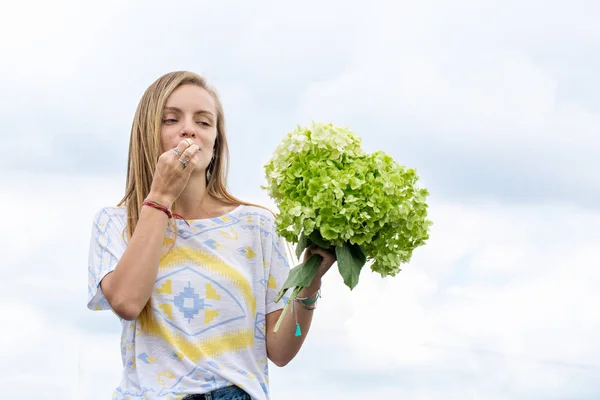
(194, 199)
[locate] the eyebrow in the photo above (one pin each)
(176, 109)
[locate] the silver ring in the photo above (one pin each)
(176, 152)
(185, 163)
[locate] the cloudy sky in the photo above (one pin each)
(495, 103)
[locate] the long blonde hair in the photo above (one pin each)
(144, 146)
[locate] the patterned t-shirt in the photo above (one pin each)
(205, 323)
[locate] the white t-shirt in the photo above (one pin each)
(206, 326)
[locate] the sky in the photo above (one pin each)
(496, 105)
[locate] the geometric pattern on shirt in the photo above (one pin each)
(247, 252)
(260, 330)
(204, 299)
(196, 349)
(204, 263)
(198, 377)
(211, 224)
(189, 302)
(248, 220)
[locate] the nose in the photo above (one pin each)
(188, 130)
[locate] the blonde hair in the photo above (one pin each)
(144, 146)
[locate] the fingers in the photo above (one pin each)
(188, 153)
(184, 152)
(326, 254)
(193, 161)
(189, 158)
(182, 146)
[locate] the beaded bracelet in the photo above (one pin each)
(305, 302)
(308, 305)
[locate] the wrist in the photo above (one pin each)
(309, 300)
(163, 200)
(311, 289)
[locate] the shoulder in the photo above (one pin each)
(264, 215)
(259, 219)
(111, 214)
(111, 211)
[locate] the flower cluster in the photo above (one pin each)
(321, 180)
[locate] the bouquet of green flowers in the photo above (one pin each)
(331, 193)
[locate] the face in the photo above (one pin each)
(190, 112)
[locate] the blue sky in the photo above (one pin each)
(496, 104)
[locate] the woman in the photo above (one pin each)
(191, 271)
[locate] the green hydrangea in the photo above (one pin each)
(324, 184)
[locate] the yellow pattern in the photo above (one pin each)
(138, 330)
(166, 374)
(186, 255)
(209, 315)
(196, 350)
(233, 235)
(167, 309)
(166, 288)
(211, 292)
(272, 284)
(249, 252)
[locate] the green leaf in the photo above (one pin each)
(350, 260)
(301, 275)
(317, 239)
(303, 243)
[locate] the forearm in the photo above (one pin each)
(130, 285)
(283, 345)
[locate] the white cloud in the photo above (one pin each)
(37, 353)
(445, 88)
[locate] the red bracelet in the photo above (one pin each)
(164, 209)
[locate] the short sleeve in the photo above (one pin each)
(279, 269)
(107, 245)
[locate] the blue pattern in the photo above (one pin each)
(260, 326)
(280, 256)
(197, 228)
(211, 243)
(197, 303)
